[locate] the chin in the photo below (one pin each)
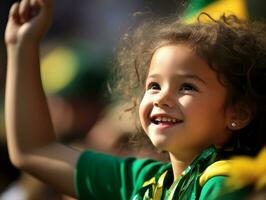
(160, 145)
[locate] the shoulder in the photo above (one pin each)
(91, 163)
(219, 168)
(109, 177)
(212, 188)
(213, 178)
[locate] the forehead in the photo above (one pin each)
(178, 56)
(180, 60)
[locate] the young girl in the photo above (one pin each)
(203, 100)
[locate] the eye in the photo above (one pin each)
(153, 86)
(188, 87)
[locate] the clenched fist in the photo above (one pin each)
(28, 21)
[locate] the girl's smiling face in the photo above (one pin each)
(184, 105)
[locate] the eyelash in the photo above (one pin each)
(153, 86)
(191, 87)
(156, 86)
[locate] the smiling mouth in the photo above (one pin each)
(165, 120)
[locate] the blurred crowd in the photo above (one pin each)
(76, 61)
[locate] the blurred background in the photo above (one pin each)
(76, 60)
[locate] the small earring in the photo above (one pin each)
(233, 124)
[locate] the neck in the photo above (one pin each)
(179, 164)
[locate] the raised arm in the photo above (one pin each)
(30, 135)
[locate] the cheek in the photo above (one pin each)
(189, 104)
(144, 110)
(192, 104)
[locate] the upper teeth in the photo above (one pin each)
(165, 119)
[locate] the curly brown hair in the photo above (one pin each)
(234, 49)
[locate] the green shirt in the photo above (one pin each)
(99, 176)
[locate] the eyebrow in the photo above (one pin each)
(189, 76)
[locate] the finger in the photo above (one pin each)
(46, 9)
(47, 3)
(13, 13)
(35, 8)
(44, 6)
(41, 3)
(24, 10)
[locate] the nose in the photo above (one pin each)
(165, 99)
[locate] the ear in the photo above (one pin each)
(240, 116)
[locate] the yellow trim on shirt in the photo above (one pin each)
(219, 168)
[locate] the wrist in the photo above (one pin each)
(23, 56)
(22, 47)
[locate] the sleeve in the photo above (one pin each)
(100, 176)
(212, 188)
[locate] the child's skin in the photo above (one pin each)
(180, 86)
(31, 139)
